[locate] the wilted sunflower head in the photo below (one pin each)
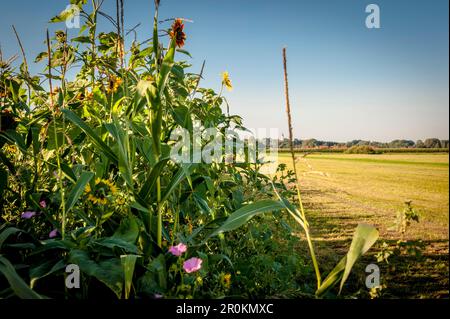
(226, 81)
(177, 33)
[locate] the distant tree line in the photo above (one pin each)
(314, 144)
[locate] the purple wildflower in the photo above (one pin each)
(178, 250)
(28, 215)
(192, 265)
(53, 233)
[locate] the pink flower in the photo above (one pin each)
(178, 250)
(192, 265)
(43, 204)
(28, 215)
(53, 233)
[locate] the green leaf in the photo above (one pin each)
(333, 278)
(45, 269)
(364, 238)
(128, 230)
(112, 243)
(66, 14)
(108, 271)
(16, 138)
(244, 214)
(20, 288)
(68, 172)
(128, 265)
(78, 189)
(6, 233)
(184, 52)
(150, 182)
(41, 56)
(182, 117)
(175, 181)
(82, 39)
(158, 266)
(123, 145)
(75, 119)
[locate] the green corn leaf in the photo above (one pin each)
(68, 172)
(45, 269)
(113, 243)
(6, 233)
(20, 288)
(78, 189)
(176, 180)
(364, 238)
(244, 214)
(75, 119)
(333, 278)
(166, 67)
(128, 265)
(150, 182)
(123, 145)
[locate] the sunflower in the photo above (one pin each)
(226, 81)
(114, 83)
(177, 33)
(225, 280)
(102, 189)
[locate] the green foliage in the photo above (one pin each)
(362, 149)
(88, 160)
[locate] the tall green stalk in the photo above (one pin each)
(58, 159)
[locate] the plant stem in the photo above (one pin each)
(299, 197)
(159, 229)
(58, 160)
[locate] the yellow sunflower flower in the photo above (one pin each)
(225, 280)
(226, 81)
(103, 188)
(114, 83)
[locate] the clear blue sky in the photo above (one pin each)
(347, 82)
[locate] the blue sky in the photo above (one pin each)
(346, 81)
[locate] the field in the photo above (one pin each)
(341, 191)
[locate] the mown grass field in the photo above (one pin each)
(343, 190)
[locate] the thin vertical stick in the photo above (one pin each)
(200, 76)
(24, 60)
(291, 145)
(21, 48)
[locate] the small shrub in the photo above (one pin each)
(362, 149)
